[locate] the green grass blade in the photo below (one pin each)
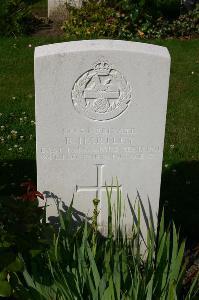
(93, 266)
(117, 273)
(149, 289)
(135, 219)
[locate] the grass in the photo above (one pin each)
(182, 133)
(182, 117)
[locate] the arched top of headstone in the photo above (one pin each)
(100, 45)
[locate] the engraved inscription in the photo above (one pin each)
(52, 154)
(100, 143)
(101, 93)
(99, 187)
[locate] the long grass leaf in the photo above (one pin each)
(149, 289)
(93, 265)
(135, 219)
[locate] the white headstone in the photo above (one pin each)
(100, 114)
(58, 6)
(54, 5)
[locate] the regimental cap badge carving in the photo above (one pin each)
(102, 93)
(102, 67)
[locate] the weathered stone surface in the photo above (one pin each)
(57, 8)
(100, 114)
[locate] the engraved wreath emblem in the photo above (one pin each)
(101, 93)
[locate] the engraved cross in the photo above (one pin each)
(89, 94)
(99, 187)
(100, 90)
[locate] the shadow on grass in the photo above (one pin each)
(180, 195)
(13, 173)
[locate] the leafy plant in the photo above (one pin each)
(137, 9)
(184, 26)
(21, 233)
(83, 264)
(95, 19)
(16, 17)
(129, 19)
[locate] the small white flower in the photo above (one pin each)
(2, 127)
(172, 146)
(13, 98)
(15, 146)
(1, 114)
(21, 119)
(20, 148)
(14, 132)
(32, 122)
(2, 140)
(10, 149)
(192, 72)
(25, 118)
(23, 113)
(166, 165)
(8, 137)
(29, 46)
(30, 136)
(21, 137)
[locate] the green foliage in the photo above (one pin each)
(95, 19)
(21, 232)
(130, 19)
(134, 10)
(79, 266)
(16, 17)
(184, 26)
(157, 8)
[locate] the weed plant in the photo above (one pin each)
(16, 17)
(23, 231)
(83, 264)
